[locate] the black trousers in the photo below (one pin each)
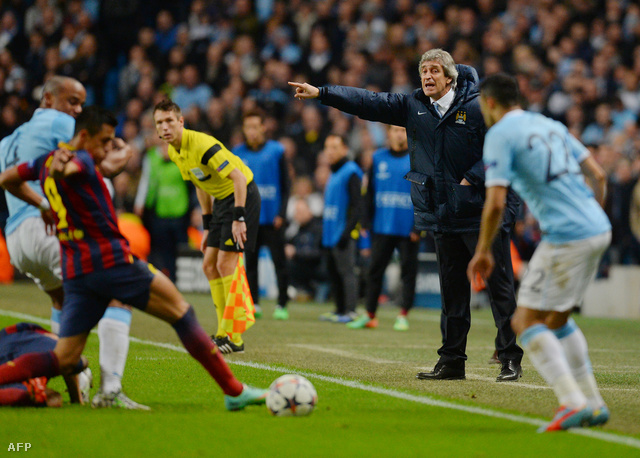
(341, 265)
(454, 253)
(382, 247)
(274, 240)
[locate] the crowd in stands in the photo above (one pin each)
(577, 61)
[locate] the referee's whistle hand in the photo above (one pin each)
(305, 90)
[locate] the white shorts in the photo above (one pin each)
(558, 275)
(36, 254)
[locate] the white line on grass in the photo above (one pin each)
(348, 354)
(607, 437)
(344, 354)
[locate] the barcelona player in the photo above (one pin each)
(22, 338)
(97, 264)
(37, 254)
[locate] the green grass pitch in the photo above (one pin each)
(370, 403)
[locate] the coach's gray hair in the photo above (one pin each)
(443, 58)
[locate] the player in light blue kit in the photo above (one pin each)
(545, 165)
(36, 253)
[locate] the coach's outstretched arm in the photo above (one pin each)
(372, 106)
(305, 90)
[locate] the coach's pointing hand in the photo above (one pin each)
(305, 90)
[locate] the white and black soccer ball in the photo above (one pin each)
(291, 395)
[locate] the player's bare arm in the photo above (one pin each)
(305, 90)
(206, 203)
(494, 205)
(11, 181)
(239, 228)
(116, 159)
(596, 178)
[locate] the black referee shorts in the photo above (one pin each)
(220, 235)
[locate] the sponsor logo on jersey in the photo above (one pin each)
(222, 166)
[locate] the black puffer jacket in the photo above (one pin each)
(443, 150)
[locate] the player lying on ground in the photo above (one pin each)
(97, 263)
(543, 162)
(22, 338)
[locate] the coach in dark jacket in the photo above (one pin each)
(446, 133)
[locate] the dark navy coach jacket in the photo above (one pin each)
(443, 150)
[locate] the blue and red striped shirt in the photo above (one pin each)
(85, 217)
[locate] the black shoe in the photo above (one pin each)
(511, 372)
(226, 346)
(443, 372)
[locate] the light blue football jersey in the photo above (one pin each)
(540, 159)
(38, 136)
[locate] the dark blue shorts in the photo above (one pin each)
(86, 297)
(25, 339)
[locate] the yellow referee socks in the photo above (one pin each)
(219, 301)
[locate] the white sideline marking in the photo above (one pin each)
(426, 400)
(348, 354)
(345, 354)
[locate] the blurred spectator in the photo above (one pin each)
(11, 38)
(304, 251)
(624, 246)
(131, 73)
(35, 15)
(70, 41)
(165, 31)
(601, 130)
(15, 76)
(280, 45)
(320, 57)
(244, 19)
(302, 188)
(162, 200)
(309, 139)
(192, 91)
(34, 60)
(147, 39)
(88, 67)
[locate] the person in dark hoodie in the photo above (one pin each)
(445, 136)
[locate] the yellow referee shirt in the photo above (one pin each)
(207, 163)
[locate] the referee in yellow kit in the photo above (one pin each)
(229, 199)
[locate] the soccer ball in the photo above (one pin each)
(291, 395)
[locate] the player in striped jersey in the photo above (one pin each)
(22, 338)
(97, 264)
(36, 253)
